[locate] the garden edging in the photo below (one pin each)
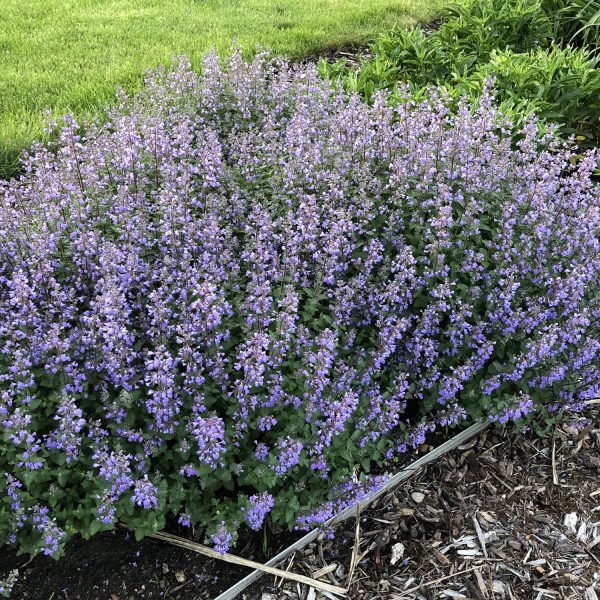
(351, 510)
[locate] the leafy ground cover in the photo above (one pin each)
(515, 484)
(70, 56)
(537, 54)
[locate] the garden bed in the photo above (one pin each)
(502, 480)
(285, 289)
(112, 565)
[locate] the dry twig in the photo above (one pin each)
(430, 583)
(236, 560)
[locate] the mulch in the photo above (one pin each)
(506, 516)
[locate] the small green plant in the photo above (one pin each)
(409, 56)
(575, 21)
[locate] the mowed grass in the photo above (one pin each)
(71, 55)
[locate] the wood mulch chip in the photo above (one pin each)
(506, 516)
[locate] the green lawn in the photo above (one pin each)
(70, 55)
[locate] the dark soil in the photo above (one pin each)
(113, 566)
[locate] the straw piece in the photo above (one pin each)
(236, 560)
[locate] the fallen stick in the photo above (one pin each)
(430, 583)
(554, 469)
(236, 560)
(356, 549)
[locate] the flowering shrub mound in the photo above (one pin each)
(246, 286)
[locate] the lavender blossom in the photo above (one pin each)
(246, 280)
(209, 434)
(222, 539)
(144, 493)
(260, 506)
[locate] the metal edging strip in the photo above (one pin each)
(402, 475)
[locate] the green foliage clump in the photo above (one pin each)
(509, 42)
(576, 21)
(560, 85)
(478, 27)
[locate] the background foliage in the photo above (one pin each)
(518, 43)
(576, 21)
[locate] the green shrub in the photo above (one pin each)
(478, 27)
(245, 290)
(561, 85)
(409, 56)
(509, 42)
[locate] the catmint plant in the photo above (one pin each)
(243, 289)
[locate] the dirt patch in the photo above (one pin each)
(113, 566)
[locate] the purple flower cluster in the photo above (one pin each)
(144, 493)
(243, 282)
(222, 539)
(50, 534)
(346, 494)
(66, 437)
(289, 455)
(518, 409)
(260, 506)
(209, 435)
